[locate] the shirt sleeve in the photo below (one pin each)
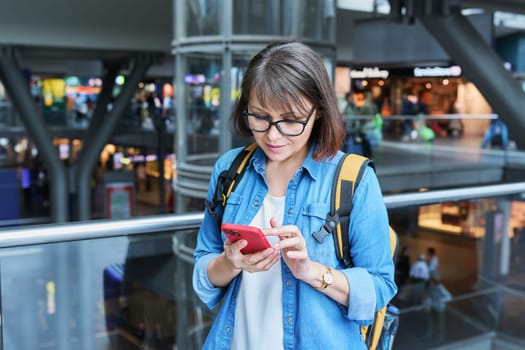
(209, 246)
(371, 279)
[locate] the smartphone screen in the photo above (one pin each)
(257, 241)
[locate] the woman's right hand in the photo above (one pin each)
(223, 269)
(260, 261)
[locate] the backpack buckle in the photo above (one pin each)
(321, 234)
(328, 228)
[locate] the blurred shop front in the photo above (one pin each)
(67, 103)
(468, 218)
(127, 180)
(442, 89)
(122, 172)
(386, 65)
(69, 100)
(496, 228)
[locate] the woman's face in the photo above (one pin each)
(277, 146)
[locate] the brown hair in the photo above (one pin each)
(290, 72)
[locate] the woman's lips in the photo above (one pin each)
(275, 148)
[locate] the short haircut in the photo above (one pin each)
(289, 72)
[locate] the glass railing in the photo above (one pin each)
(126, 284)
(130, 119)
(94, 285)
(449, 160)
(483, 317)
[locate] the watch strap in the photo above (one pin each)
(323, 278)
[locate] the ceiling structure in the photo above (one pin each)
(90, 30)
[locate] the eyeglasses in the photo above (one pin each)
(288, 127)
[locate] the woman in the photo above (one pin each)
(296, 294)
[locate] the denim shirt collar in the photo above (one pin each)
(311, 166)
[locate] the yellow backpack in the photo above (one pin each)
(350, 169)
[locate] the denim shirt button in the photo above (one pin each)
(290, 211)
(288, 283)
(289, 319)
(256, 203)
(228, 329)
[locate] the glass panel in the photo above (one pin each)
(474, 241)
(202, 17)
(8, 114)
(5, 111)
(194, 319)
(329, 64)
(315, 19)
(136, 292)
(114, 293)
(476, 306)
(239, 65)
(438, 161)
(263, 17)
(203, 96)
(426, 327)
(475, 316)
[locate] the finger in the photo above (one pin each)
(261, 265)
(257, 257)
(273, 230)
(293, 242)
(268, 263)
(282, 233)
(287, 231)
(285, 235)
(297, 254)
(290, 229)
(238, 245)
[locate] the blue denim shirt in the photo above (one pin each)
(311, 320)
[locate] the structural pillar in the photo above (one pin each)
(36, 127)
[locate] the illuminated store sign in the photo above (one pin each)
(194, 79)
(369, 73)
(452, 71)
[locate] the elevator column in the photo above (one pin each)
(212, 47)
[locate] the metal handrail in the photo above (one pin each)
(55, 233)
(429, 116)
(453, 195)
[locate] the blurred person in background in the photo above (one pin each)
(496, 136)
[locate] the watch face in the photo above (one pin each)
(328, 277)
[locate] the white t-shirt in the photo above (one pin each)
(259, 314)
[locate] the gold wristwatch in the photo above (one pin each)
(328, 278)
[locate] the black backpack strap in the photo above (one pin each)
(349, 172)
(227, 182)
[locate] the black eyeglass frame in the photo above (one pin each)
(266, 118)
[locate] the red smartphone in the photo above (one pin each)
(257, 241)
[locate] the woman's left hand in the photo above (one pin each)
(293, 248)
(295, 254)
